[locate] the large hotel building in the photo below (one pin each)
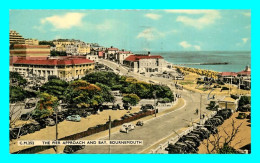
(35, 61)
(15, 37)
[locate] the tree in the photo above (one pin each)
(15, 77)
(222, 143)
(105, 93)
(46, 43)
(132, 99)
(46, 105)
(19, 94)
(81, 93)
(244, 100)
(58, 53)
(55, 87)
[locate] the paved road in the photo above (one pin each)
(155, 129)
(159, 127)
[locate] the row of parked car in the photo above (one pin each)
(190, 142)
(40, 123)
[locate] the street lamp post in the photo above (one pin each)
(154, 94)
(200, 104)
(109, 133)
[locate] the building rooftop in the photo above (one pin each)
(53, 62)
(25, 46)
(246, 73)
(134, 58)
(112, 49)
(228, 74)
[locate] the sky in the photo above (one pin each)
(141, 30)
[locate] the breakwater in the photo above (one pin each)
(216, 63)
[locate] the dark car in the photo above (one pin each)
(26, 116)
(200, 133)
(212, 129)
(140, 123)
(242, 116)
(37, 126)
(225, 113)
(73, 148)
(177, 148)
(146, 107)
(219, 117)
(18, 131)
(192, 146)
(30, 128)
(13, 133)
(245, 108)
(41, 122)
(191, 138)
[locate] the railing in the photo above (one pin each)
(88, 132)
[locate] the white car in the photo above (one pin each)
(127, 127)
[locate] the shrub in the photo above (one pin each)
(244, 100)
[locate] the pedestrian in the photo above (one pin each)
(197, 111)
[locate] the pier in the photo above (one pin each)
(217, 63)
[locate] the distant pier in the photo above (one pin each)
(216, 63)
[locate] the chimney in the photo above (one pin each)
(111, 46)
(123, 50)
(148, 53)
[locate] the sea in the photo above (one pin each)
(237, 60)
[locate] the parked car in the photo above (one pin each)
(37, 126)
(140, 123)
(41, 122)
(26, 116)
(225, 113)
(242, 116)
(73, 148)
(114, 107)
(219, 117)
(245, 108)
(191, 138)
(13, 133)
(146, 107)
(212, 129)
(50, 122)
(75, 118)
(126, 127)
(30, 128)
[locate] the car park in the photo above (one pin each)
(126, 127)
(75, 118)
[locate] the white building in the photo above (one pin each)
(122, 55)
(146, 63)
